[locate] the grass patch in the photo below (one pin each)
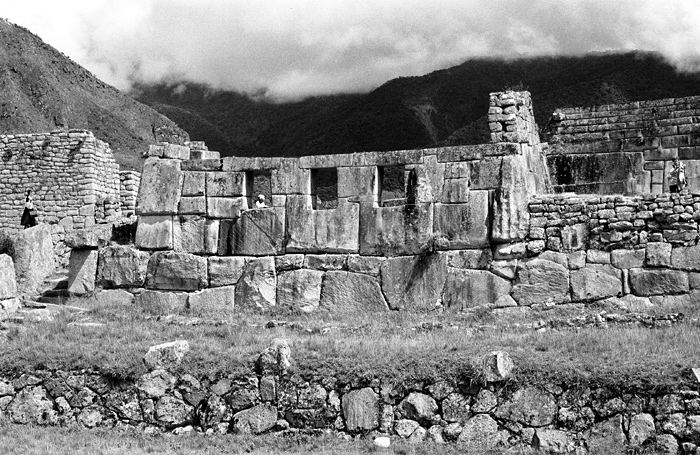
(393, 345)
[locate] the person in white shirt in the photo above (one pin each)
(260, 203)
(29, 215)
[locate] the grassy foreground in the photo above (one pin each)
(394, 345)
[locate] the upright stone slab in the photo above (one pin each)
(161, 187)
(321, 231)
(466, 288)
(8, 279)
(225, 184)
(257, 288)
(82, 271)
(259, 232)
(93, 237)
(195, 234)
(396, 231)
(168, 270)
(226, 207)
(361, 410)
(511, 216)
(299, 290)
(155, 232)
(193, 183)
(464, 225)
(540, 281)
(121, 267)
(415, 282)
(346, 292)
(35, 259)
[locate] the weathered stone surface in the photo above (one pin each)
(469, 288)
(606, 437)
(469, 259)
(226, 207)
(369, 265)
(404, 428)
(90, 237)
(325, 262)
(343, 292)
(464, 225)
(259, 232)
(172, 411)
(162, 303)
(82, 271)
(9, 307)
(160, 188)
(275, 360)
(34, 257)
(598, 257)
(166, 356)
(168, 150)
(321, 231)
(361, 410)
(686, 258)
(8, 279)
(31, 406)
(666, 444)
(288, 178)
(193, 183)
(505, 269)
(257, 287)
(627, 259)
(529, 406)
(497, 366)
(169, 270)
(596, 281)
(511, 217)
(299, 290)
(479, 432)
(396, 231)
(641, 428)
(455, 408)
(541, 281)
(195, 234)
(289, 262)
(414, 283)
(419, 407)
(115, 297)
(192, 205)
(121, 267)
(646, 282)
(218, 301)
(552, 441)
(356, 181)
(225, 184)
(154, 232)
(455, 190)
(658, 254)
(224, 271)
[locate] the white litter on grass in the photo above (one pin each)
(382, 441)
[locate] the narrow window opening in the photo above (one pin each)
(258, 183)
(324, 188)
(392, 186)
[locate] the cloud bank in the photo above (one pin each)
(295, 48)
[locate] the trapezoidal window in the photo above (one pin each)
(258, 183)
(324, 188)
(391, 186)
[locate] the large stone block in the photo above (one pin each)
(212, 302)
(430, 177)
(540, 281)
(161, 303)
(193, 205)
(82, 271)
(224, 271)
(469, 259)
(357, 181)
(193, 183)
(596, 281)
(361, 410)
(299, 290)
(485, 174)
(455, 191)
(658, 254)
(226, 207)
(169, 270)
(414, 282)
(225, 184)
(195, 234)
(259, 232)
(121, 267)
(347, 292)
(34, 257)
(321, 231)
(257, 288)
(8, 279)
(396, 231)
(154, 232)
(464, 225)
(90, 237)
(290, 179)
(466, 288)
(645, 282)
(160, 188)
(686, 258)
(511, 216)
(369, 265)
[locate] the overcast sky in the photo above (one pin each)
(295, 48)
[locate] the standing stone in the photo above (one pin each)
(511, 216)
(154, 232)
(121, 267)
(255, 420)
(35, 259)
(8, 279)
(82, 271)
(361, 410)
(466, 288)
(541, 282)
(257, 287)
(646, 282)
(160, 188)
(212, 302)
(275, 359)
(414, 283)
(497, 366)
(595, 281)
(299, 290)
(224, 271)
(346, 292)
(168, 270)
(259, 232)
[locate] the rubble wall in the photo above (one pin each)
(73, 177)
(624, 148)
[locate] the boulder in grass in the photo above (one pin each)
(275, 360)
(166, 356)
(497, 366)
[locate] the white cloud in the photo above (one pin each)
(295, 48)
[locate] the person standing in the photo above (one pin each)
(29, 214)
(677, 181)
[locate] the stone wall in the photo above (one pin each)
(72, 176)
(129, 182)
(625, 148)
